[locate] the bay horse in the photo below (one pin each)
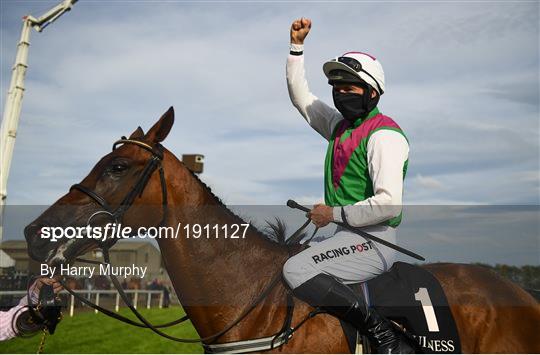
(217, 278)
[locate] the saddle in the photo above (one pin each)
(413, 298)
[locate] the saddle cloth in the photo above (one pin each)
(412, 297)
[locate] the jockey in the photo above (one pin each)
(366, 162)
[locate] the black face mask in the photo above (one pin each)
(355, 106)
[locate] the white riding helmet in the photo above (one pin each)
(360, 65)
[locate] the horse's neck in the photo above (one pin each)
(214, 274)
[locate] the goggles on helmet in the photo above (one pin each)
(357, 67)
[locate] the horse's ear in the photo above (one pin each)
(138, 133)
(162, 127)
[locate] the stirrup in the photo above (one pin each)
(388, 338)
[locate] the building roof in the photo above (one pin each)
(13, 244)
(6, 260)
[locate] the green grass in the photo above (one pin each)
(96, 333)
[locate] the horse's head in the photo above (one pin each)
(124, 187)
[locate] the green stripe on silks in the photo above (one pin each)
(346, 172)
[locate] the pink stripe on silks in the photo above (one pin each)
(343, 151)
(338, 163)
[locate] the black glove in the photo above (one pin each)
(51, 307)
(45, 315)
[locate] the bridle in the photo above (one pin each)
(117, 214)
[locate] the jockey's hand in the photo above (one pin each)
(299, 30)
(46, 281)
(321, 215)
(38, 284)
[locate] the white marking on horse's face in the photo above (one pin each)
(59, 255)
(56, 256)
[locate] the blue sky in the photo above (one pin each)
(462, 80)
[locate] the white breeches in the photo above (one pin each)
(347, 256)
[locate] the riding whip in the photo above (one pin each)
(294, 204)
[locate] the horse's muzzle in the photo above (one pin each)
(38, 248)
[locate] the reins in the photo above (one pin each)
(155, 328)
(113, 314)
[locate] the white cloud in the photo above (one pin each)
(428, 182)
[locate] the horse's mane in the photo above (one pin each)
(275, 231)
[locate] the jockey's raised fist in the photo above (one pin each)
(299, 30)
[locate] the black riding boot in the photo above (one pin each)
(339, 300)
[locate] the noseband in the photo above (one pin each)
(117, 214)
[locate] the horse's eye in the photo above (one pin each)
(116, 168)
